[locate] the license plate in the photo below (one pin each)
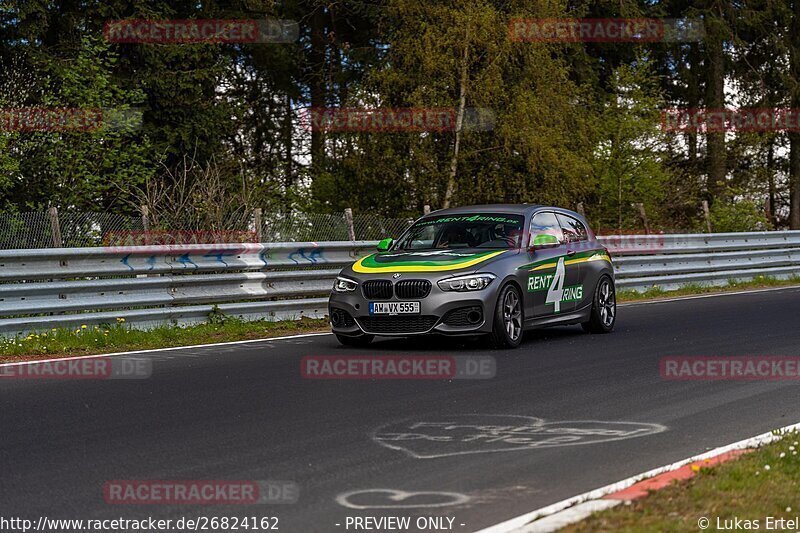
(394, 308)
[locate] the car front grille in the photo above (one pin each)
(397, 324)
(412, 288)
(377, 289)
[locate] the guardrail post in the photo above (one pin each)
(259, 227)
(55, 227)
(348, 219)
(707, 215)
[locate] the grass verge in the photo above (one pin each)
(752, 487)
(655, 292)
(88, 340)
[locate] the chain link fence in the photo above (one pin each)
(69, 229)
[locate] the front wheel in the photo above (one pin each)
(604, 308)
(508, 319)
(360, 340)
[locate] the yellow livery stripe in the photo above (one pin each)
(361, 268)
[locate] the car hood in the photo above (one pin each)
(468, 259)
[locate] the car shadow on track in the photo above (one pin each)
(442, 343)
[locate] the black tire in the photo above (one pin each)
(604, 308)
(509, 319)
(360, 340)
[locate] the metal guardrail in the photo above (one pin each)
(180, 284)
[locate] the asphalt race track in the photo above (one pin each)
(243, 412)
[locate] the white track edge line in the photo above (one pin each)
(268, 339)
(94, 356)
(524, 519)
(711, 295)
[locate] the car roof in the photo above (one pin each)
(514, 209)
(520, 209)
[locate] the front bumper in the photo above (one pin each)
(448, 313)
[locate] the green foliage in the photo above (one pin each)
(742, 215)
(574, 122)
(86, 170)
(630, 160)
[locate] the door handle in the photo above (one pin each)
(571, 252)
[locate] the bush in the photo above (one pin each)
(738, 216)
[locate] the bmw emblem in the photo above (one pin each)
(395, 276)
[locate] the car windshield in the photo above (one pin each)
(449, 232)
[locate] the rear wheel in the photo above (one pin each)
(604, 308)
(360, 340)
(508, 319)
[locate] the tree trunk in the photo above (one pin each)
(462, 100)
(773, 218)
(715, 100)
(794, 137)
(288, 142)
(317, 81)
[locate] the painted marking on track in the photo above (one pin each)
(485, 433)
(399, 499)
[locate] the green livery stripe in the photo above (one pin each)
(372, 264)
(583, 257)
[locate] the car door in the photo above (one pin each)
(547, 272)
(576, 237)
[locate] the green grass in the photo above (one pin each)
(118, 337)
(751, 487)
(655, 292)
(86, 340)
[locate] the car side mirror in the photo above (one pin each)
(542, 241)
(385, 244)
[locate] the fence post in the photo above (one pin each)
(426, 209)
(768, 209)
(258, 224)
(348, 219)
(642, 214)
(580, 210)
(55, 227)
(707, 215)
(145, 223)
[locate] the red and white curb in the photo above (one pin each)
(572, 510)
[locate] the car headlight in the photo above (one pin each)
(344, 285)
(472, 282)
